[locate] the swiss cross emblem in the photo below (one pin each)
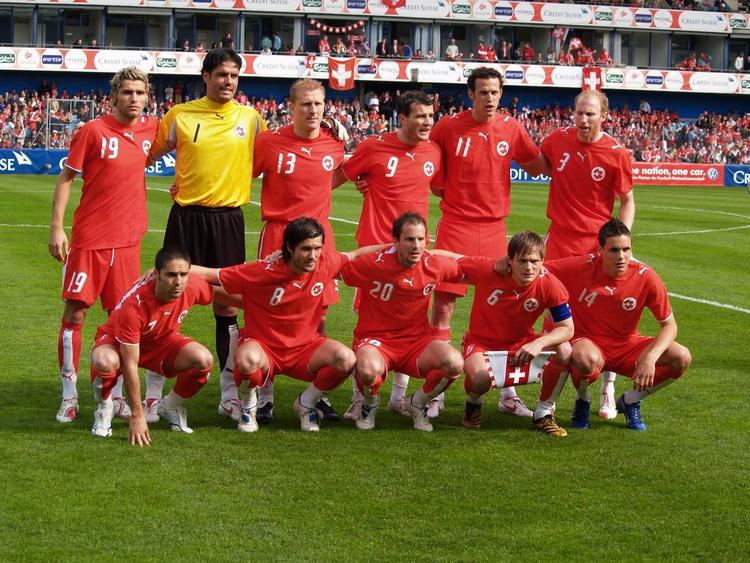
(530, 304)
(146, 146)
(429, 168)
(629, 303)
(598, 173)
(502, 148)
(327, 162)
(316, 289)
(240, 131)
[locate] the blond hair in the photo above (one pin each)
(601, 96)
(127, 73)
(303, 85)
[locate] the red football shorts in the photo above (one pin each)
(272, 239)
(620, 356)
(107, 274)
(399, 354)
(470, 239)
(293, 362)
(563, 244)
(159, 357)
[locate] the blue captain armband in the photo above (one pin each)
(560, 313)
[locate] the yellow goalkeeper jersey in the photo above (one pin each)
(214, 144)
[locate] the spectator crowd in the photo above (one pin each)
(48, 117)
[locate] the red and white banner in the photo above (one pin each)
(314, 66)
(592, 78)
(504, 374)
(671, 174)
(525, 13)
(341, 73)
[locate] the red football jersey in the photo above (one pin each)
(111, 159)
(140, 318)
(476, 163)
(502, 310)
(609, 307)
(297, 174)
(282, 308)
(586, 179)
(395, 299)
(398, 180)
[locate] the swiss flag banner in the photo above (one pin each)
(592, 78)
(341, 73)
(505, 375)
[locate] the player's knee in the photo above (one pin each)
(343, 359)
(452, 363)
(368, 370)
(104, 362)
(478, 382)
(203, 359)
(683, 359)
(247, 360)
(586, 360)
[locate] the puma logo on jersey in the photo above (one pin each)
(269, 266)
(581, 155)
(484, 136)
(129, 135)
(306, 150)
(138, 298)
(409, 282)
(380, 139)
(298, 285)
(411, 155)
(517, 294)
(167, 313)
(610, 289)
(219, 116)
(276, 132)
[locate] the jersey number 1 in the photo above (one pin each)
(110, 147)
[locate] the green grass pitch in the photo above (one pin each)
(677, 492)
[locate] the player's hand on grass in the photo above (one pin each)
(58, 244)
(643, 378)
(173, 190)
(361, 185)
(138, 433)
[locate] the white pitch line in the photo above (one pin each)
(730, 214)
(707, 302)
(637, 235)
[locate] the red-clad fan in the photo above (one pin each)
(102, 259)
(298, 162)
(590, 171)
(393, 331)
(283, 302)
(477, 146)
(503, 314)
(144, 331)
(610, 291)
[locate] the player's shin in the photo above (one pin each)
(154, 385)
(554, 377)
(399, 386)
(663, 376)
(102, 383)
(190, 381)
(68, 356)
(436, 381)
(226, 375)
(225, 326)
(581, 382)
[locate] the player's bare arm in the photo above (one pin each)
(545, 168)
(58, 241)
(211, 275)
(228, 299)
(627, 209)
(338, 178)
(562, 332)
(354, 254)
(138, 433)
(537, 166)
(643, 378)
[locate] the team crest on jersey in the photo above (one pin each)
(502, 148)
(146, 146)
(629, 303)
(598, 173)
(182, 315)
(240, 130)
(428, 168)
(328, 163)
(316, 289)
(530, 304)
(429, 288)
